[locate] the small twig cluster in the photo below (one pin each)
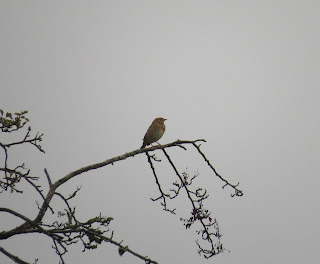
(70, 231)
(12, 176)
(12, 122)
(209, 229)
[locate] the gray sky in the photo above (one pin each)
(244, 75)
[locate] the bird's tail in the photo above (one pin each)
(143, 145)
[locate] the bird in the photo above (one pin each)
(154, 132)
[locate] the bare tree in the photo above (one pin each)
(96, 230)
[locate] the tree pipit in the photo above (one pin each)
(154, 132)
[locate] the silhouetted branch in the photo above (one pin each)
(9, 123)
(13, 257)
(48, 176)
(7, 210)
(163, 195)
(199, 213)
(237, 191)
(34, 141)
(196, 198)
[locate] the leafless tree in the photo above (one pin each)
(96, 230)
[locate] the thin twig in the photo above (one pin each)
(13, 257)
(237, 191)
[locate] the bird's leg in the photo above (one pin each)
(152, 146)
(159, 144)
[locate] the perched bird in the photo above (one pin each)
(154, 132)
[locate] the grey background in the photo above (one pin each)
(244, 75)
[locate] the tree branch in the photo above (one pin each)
(237, 191)
(13, 257)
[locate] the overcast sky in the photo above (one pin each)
(244, 75)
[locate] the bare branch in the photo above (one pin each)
(163, 195)
(237, 191)
(7, 210)
(48, 177)
(198, 213)
(34, 141)
(13, 257)
(5, 164)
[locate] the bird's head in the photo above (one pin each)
(159, 120)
